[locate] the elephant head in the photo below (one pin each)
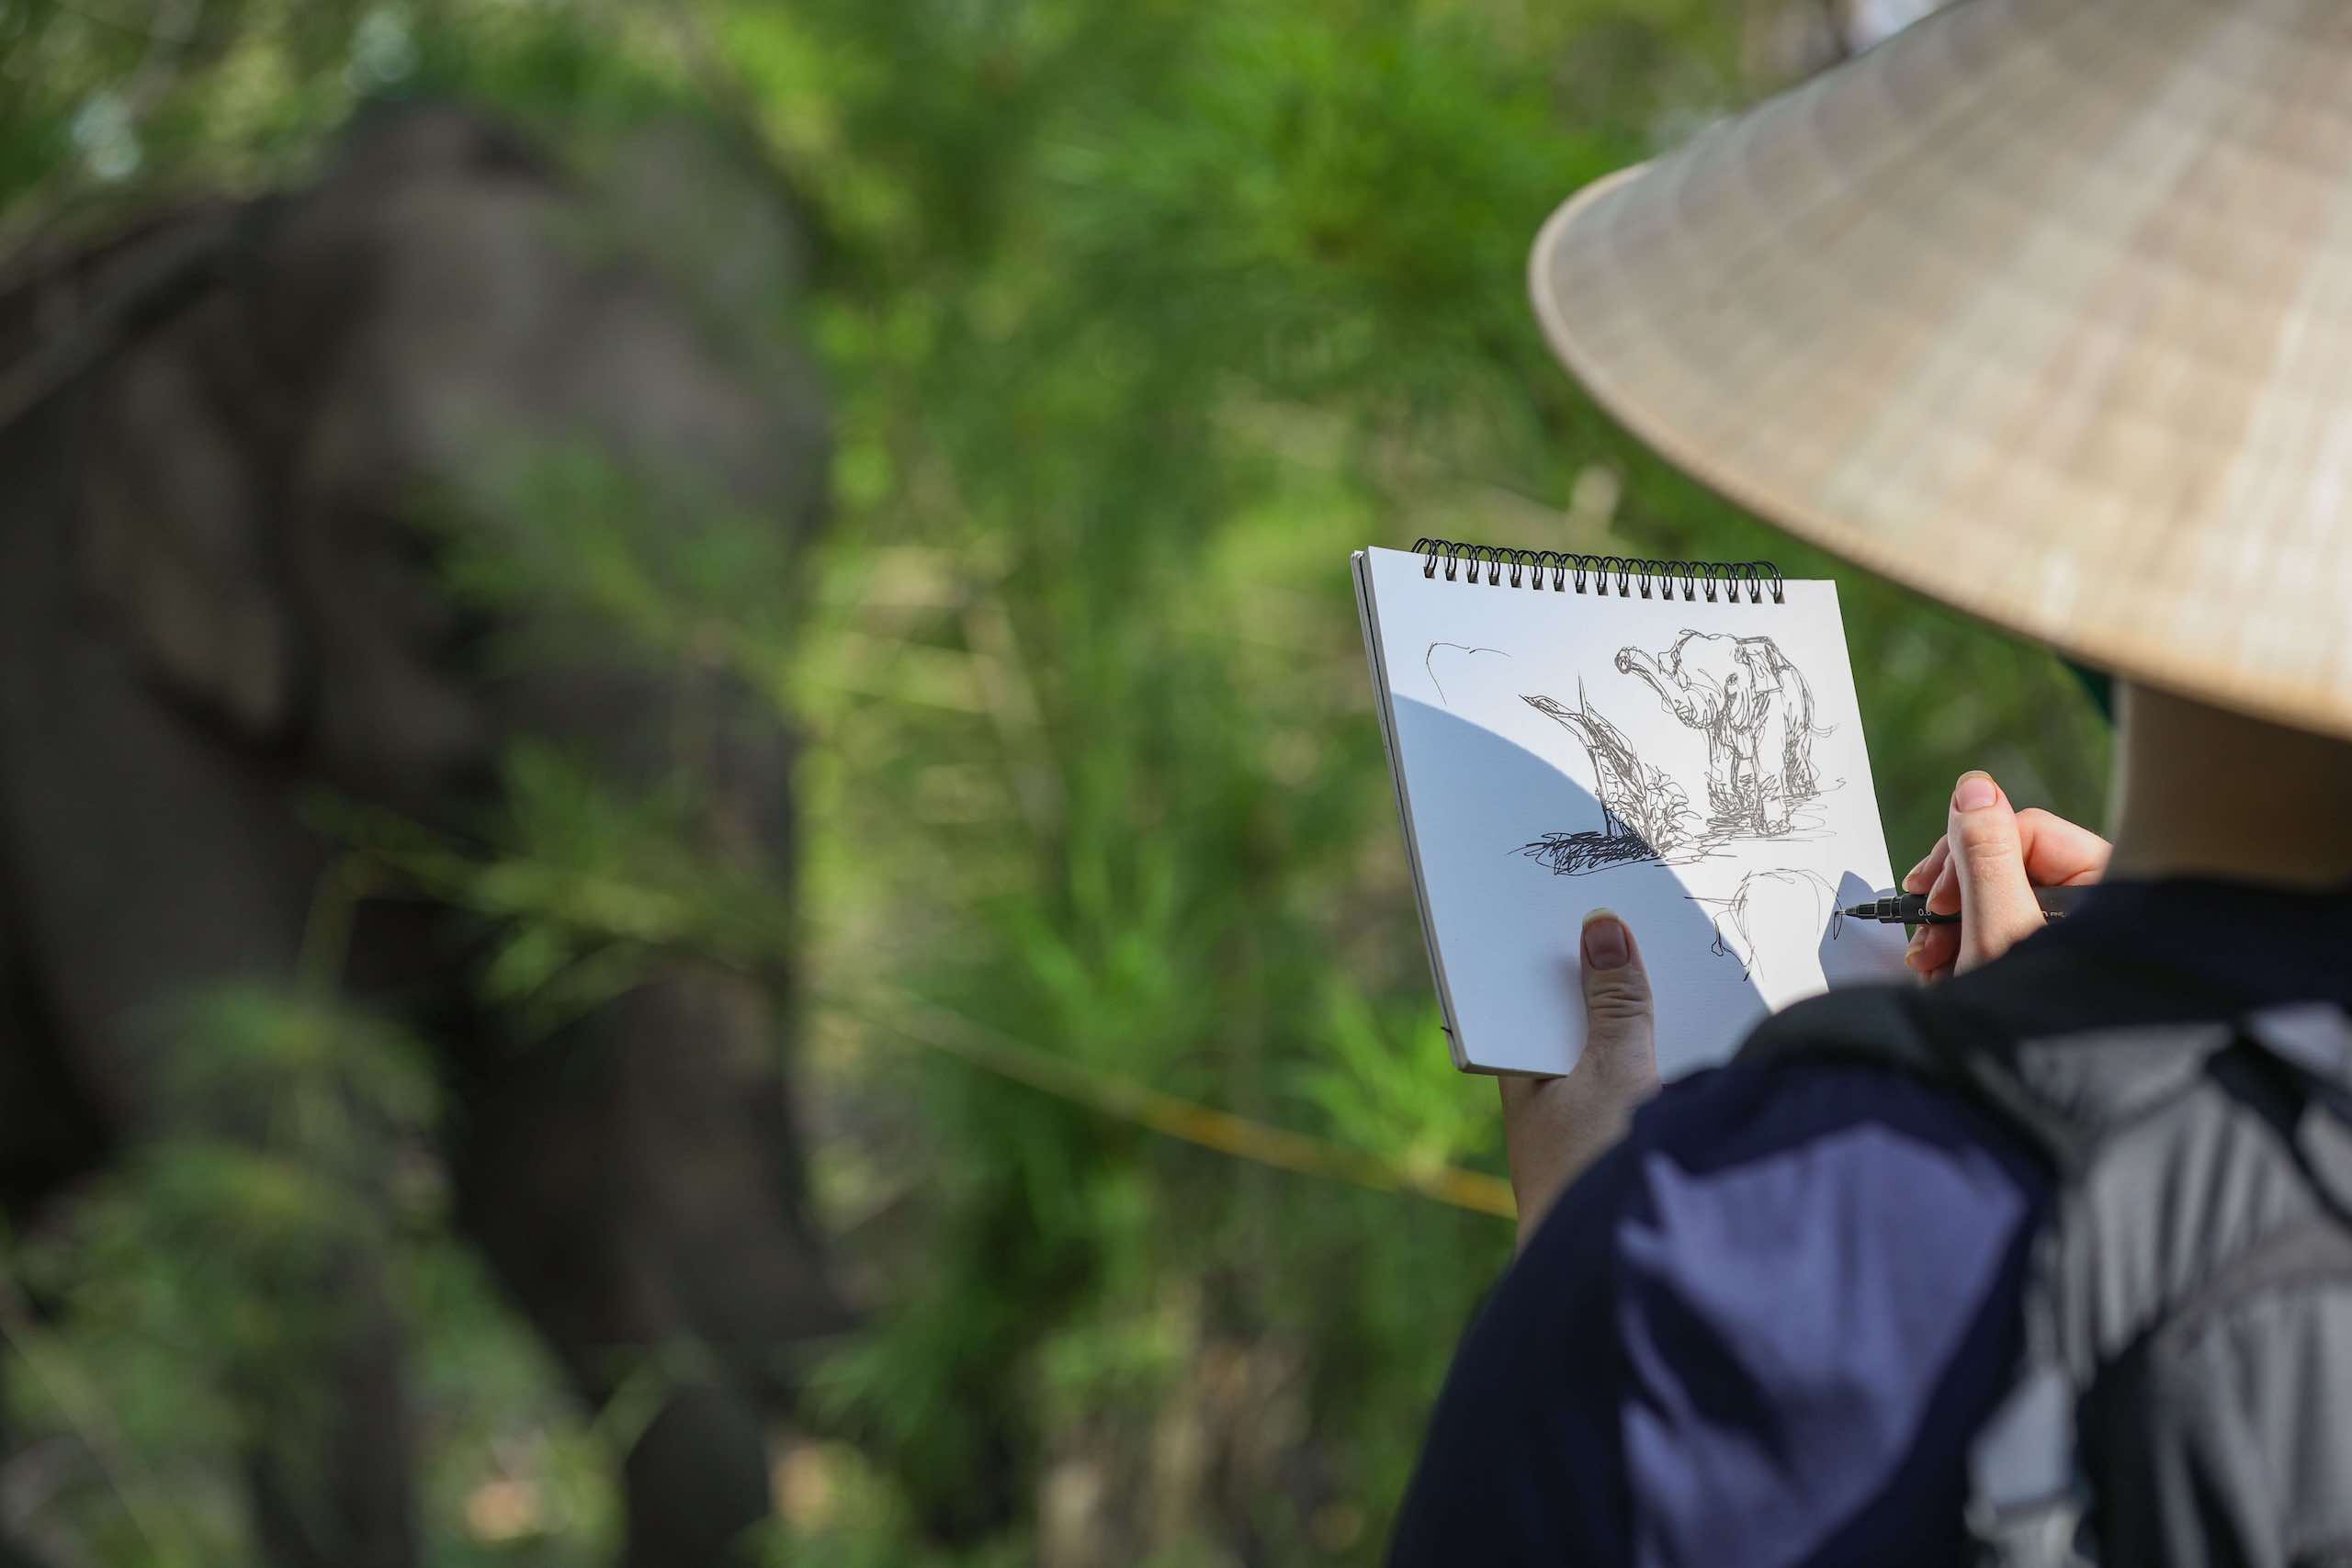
(1709, 680)
(395, 345)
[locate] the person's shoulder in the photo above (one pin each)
(1732, 1317)
(1811, 1138)
(1810, 1267)
(1855, 1025)
(1822, 1073)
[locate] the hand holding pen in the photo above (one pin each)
(1987, 869)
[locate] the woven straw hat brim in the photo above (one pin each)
(2042, 308)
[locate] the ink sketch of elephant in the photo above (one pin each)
(1755, 709)
(1774, 923)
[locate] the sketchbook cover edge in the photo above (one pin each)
(1367, 619)
(1368, 622)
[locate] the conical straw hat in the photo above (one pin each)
(2042, 308)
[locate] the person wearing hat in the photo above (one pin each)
(2042, 308)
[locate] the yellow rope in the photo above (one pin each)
(1126, 1100)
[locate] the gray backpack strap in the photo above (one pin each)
(2115, 1375)
(2314, 1039)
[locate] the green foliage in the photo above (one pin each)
(247, 1236)
(1137, 318)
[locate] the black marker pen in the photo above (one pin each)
(1911, 909)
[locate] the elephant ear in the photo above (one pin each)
(174, 510)
(1762, 671)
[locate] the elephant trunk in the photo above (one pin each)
(1637, 661)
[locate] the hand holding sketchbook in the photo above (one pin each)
(1676, 741)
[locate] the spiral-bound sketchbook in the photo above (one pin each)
(1675, 740)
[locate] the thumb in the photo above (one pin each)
(1996, 903)
(1620, 1050)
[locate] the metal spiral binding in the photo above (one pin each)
(1630, 574)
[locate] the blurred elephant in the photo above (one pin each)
(213, 600)
(1756, 711)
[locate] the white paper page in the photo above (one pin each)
(1742, 822)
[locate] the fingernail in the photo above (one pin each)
(1918, 943)
(1916, 872)
(1974, 793)
(1604, 940)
